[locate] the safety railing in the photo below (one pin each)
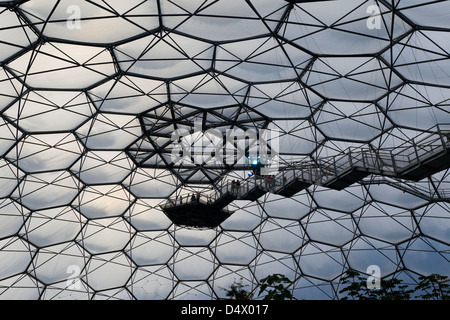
(413, 188)
(383, 161)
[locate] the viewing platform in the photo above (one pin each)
(414, 160)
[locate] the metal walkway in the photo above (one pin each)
(428, 192)
(414, 160)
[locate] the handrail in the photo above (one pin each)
(414, 189)
(387, 161)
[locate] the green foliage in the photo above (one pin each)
(237, 291)
(357, 289)
(276, 286)
(434, 287)
(393, 289)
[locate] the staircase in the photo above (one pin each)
(414, 160)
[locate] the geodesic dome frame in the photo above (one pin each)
(90, 92)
